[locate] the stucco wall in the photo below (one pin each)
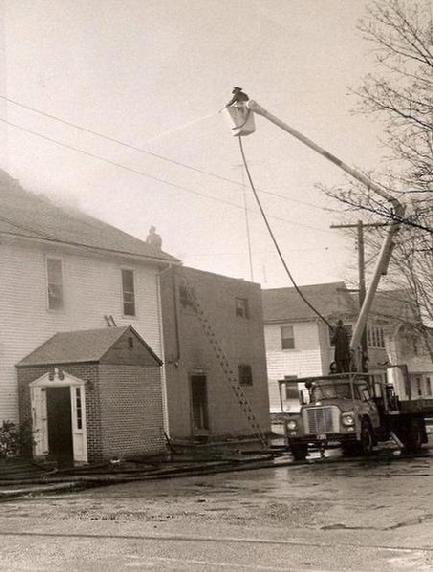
(243, 343)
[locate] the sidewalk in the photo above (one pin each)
(20, 483)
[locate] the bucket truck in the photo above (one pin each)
(351, 409)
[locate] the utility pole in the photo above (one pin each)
(360, 225)
(247, 222)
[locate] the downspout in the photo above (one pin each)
(165, 416)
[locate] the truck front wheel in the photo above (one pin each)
(366, 438)
(299, 452)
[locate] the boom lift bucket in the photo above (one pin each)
(241, 120)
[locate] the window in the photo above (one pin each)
(428, 386)
(291, 389)
(128, 292)
(418, 386)
(79, 408)
(245, 375)
(287, 338)
(55, 284)
(241, 305)
(186, 296)
(407, 386)
(375, 337)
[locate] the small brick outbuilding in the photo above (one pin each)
(92, 395)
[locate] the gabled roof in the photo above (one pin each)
(333, 300)
(285, 304)
(29, 215)
(81, 346)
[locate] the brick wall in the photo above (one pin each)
(123, 407)
(86, 372)
(131, 410)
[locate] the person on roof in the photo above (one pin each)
(239, 98)
(153, 238)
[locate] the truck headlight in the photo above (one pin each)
(348, 419)
(291, 425)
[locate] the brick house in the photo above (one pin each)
(105, 384)
(201, 402)
(63, 271)
(298, 344)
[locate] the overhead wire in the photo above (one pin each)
(274, 239)
(152, 153)
(148, 175)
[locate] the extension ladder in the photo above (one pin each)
(229, 375)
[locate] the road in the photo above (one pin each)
(354, 515)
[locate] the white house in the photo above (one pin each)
(298, 343)
(406, 347)
(61, 271)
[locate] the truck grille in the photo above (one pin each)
(319, 420)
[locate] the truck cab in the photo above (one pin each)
(339, 408)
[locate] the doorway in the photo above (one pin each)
(200, 415)
(59, 422)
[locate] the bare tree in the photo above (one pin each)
(401, 94)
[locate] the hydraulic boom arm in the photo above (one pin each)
(397, 208)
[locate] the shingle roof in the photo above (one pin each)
(81, 346)
(332, 299)
(26, 214)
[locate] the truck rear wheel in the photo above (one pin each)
(413, 437)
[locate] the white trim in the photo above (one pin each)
(39, 412)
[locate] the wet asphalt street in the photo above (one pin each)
(351, 515)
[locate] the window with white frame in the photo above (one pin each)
(418, 386)
(55, 294)
(291, 389)
(128, 292)
(375, 336)
(287, 338)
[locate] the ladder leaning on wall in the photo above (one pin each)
(229, 374)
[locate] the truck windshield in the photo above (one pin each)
(331, 391)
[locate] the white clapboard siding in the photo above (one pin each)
(305, 359)
(92, 289)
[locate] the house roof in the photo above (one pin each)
(29, 215)
(82, 346)
(333, 300)
(285, 304)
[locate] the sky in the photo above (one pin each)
(154, 74)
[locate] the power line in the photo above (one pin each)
(152, 153)
(148, 175)
(277, 246)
